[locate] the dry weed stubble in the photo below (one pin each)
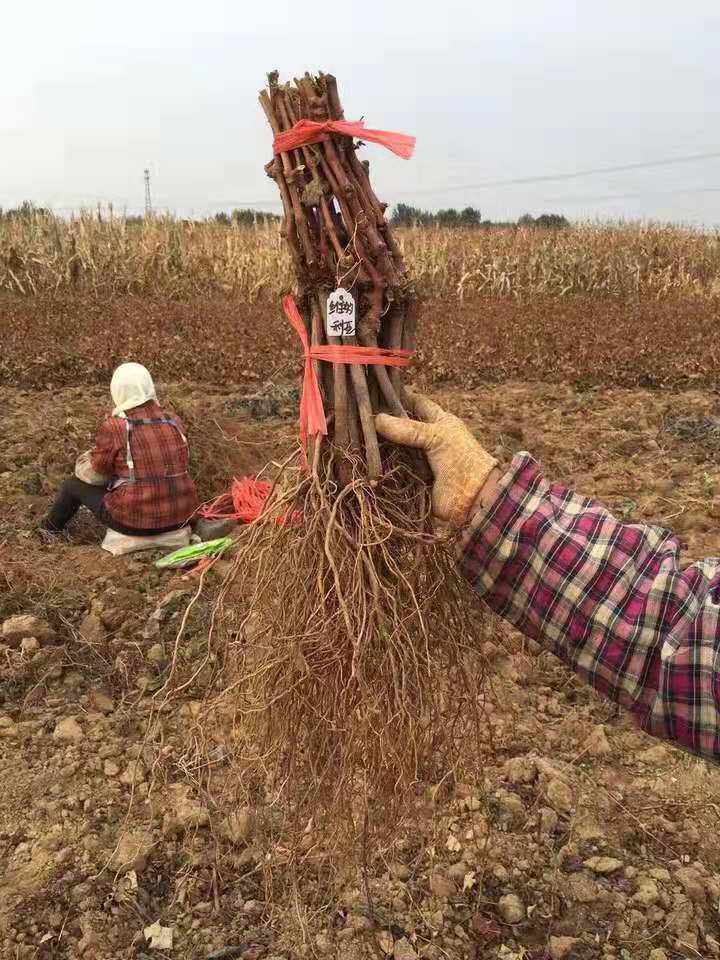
(181, 260)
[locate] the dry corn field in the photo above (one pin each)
(181, 259)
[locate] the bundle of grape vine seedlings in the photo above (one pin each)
(356, 662)
(340, 242)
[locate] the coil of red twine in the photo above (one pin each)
(244, 502)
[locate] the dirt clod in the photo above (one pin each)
(68, 729)
(24, 626)
(511, 908)
(561, 947)
(559, 796)
(603, 865)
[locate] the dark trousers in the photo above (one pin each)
(76, 493)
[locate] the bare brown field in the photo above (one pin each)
(499, 856)
(66, 339)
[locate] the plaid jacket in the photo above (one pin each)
(163, 494)
(610, 599)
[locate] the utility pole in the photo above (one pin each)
(148, 201)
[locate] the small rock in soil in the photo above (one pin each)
(241, 950)
(29, 646)
(404, 950)
(561, 947)
(21, 627)
(520, 770)
(511, 908)
(510, 811)
(582, 889)
(214, 529)
(133, 773)
(133, 851)
(597, 744)
(692, 884)
(323, 943)
(68, 729)
(159, 937)
(458, 870)
(588, 829)
(548, 820)
(386, 942)
(647, 892)
(169, 604)
(559, 796)
(657, 754)
(603, 865)
(156, 654)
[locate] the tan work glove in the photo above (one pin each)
(459, 464)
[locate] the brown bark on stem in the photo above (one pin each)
(337, 235)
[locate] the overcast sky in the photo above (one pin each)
(94, 91)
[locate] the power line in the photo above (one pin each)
(633, 195)
(516, 181)
(575, 174)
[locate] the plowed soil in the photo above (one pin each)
(582, 839)
(68, 340)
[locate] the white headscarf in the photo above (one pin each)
(131, 386)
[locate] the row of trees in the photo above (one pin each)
(245, 218)
(406, 216)
(24, 211)
(403, 216)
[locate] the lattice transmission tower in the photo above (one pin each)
(148, 201)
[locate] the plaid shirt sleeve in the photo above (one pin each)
(102, 457)
(610, 599)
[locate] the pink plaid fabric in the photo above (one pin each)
(610, 599)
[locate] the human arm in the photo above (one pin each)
(610, 599)
(103, 455)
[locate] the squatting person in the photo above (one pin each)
(610, 599)
(135, 480)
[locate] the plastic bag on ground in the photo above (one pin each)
(118, 544)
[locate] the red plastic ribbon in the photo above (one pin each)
(312, 131)
(312, 412)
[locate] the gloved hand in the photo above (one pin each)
(459, 464)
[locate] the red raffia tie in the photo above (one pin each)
(312, 412)
(311, 131)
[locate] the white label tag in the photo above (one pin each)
(340, 318)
